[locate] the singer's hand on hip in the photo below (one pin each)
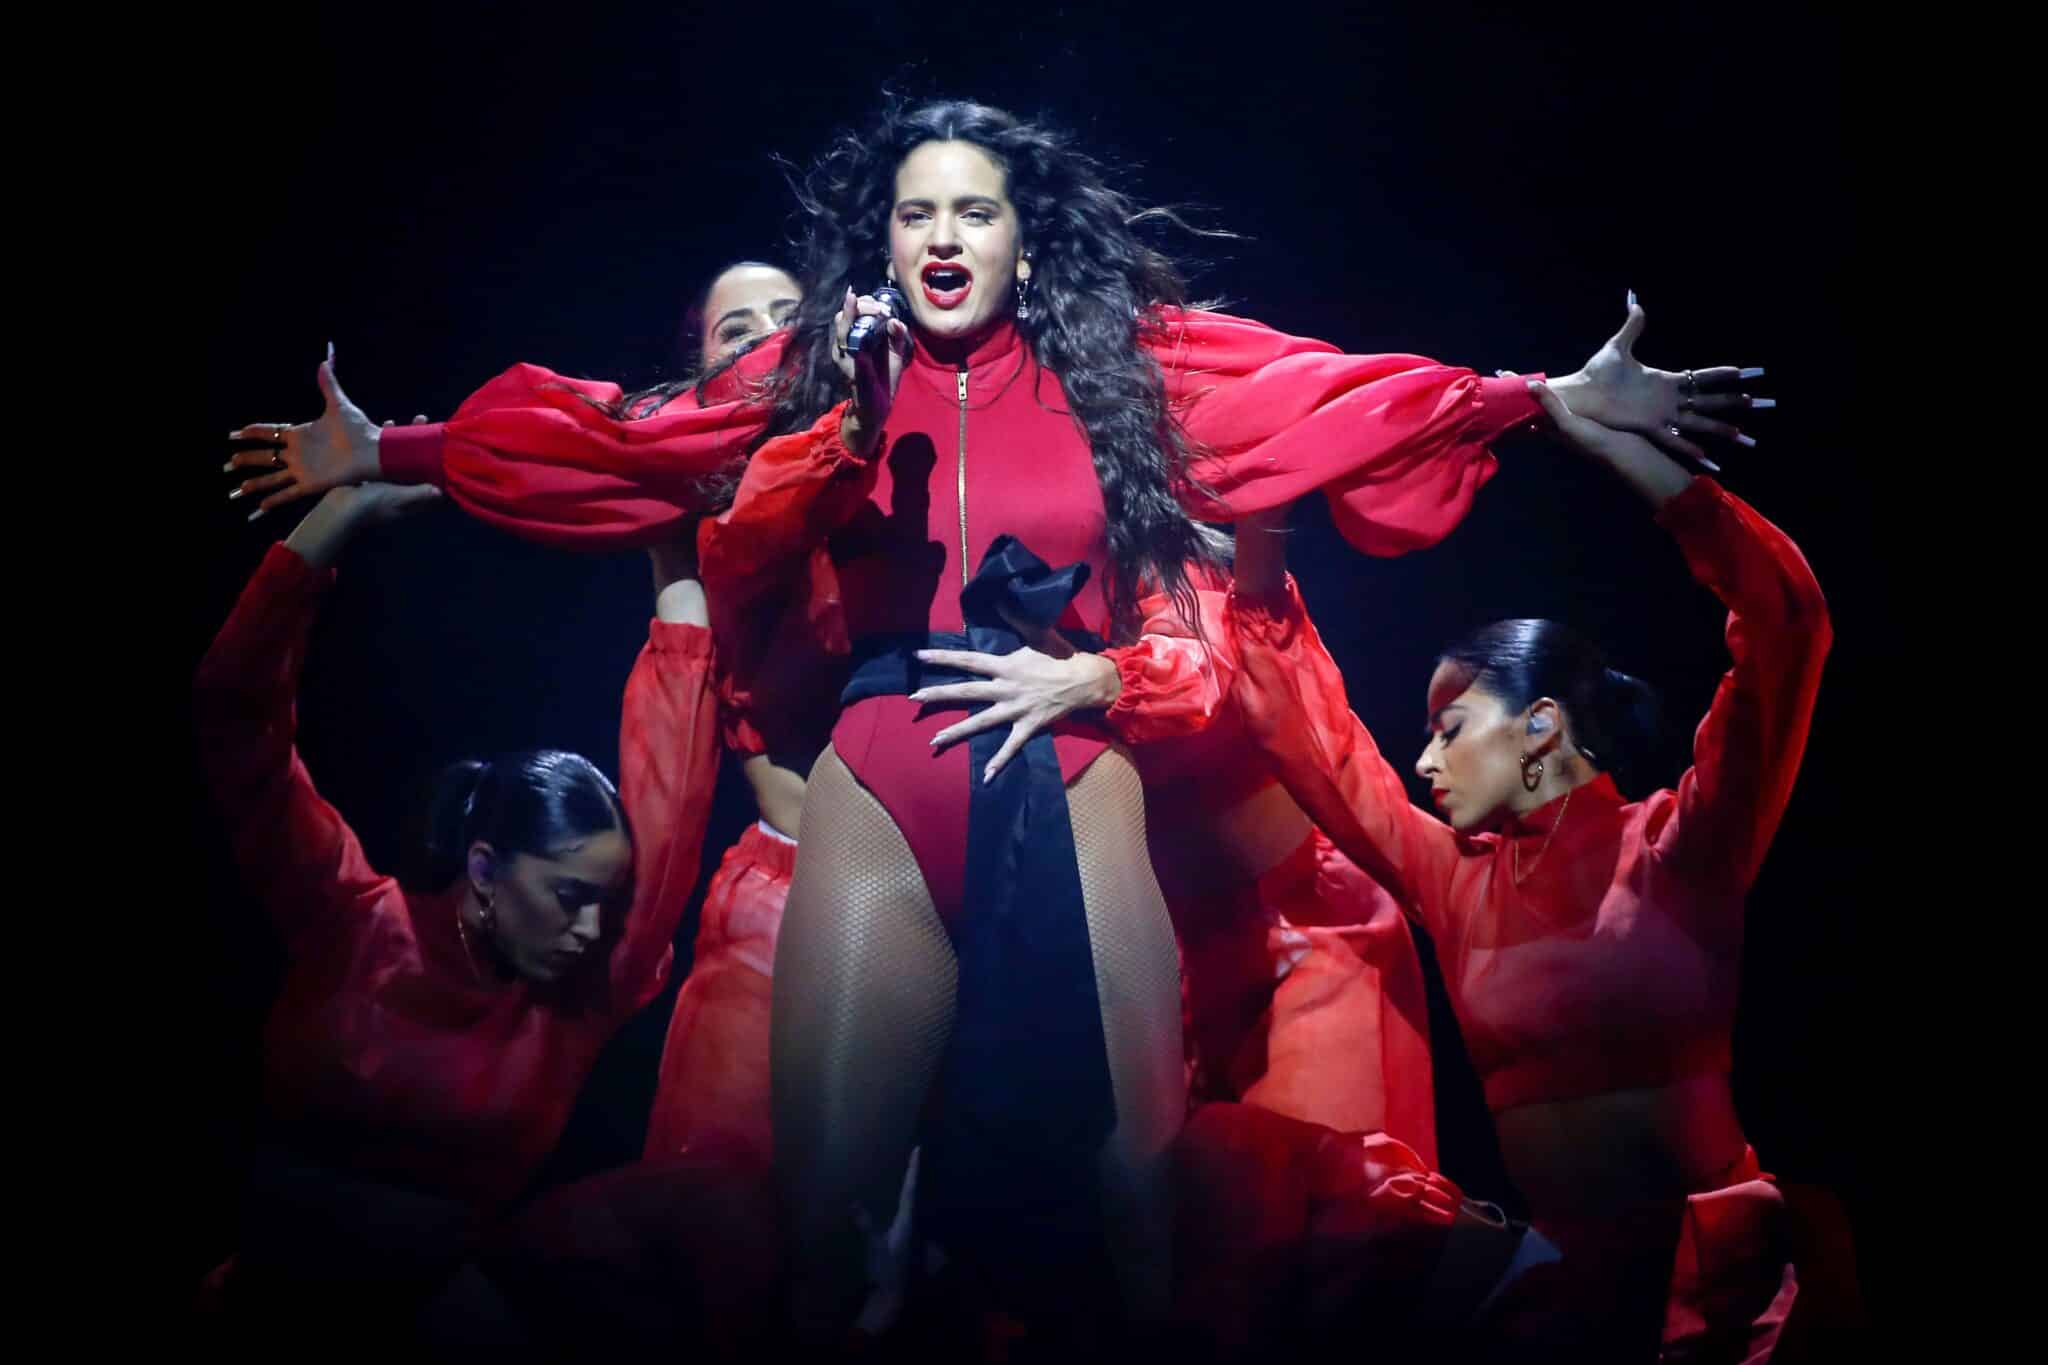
(1026, 690)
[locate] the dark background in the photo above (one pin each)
(445, 190)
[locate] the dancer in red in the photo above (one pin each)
(430, 1039)
(1590, 944)
(1304, 992)
(1312, 1208)
(777, 694)
(1053, 398)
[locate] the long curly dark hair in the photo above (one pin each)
(1096, 286)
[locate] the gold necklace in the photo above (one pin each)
(1515, 849)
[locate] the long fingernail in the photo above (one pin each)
(1753, 372)
(917, 695)
(228, 468)
(1741, 439)
(236, 494)
(1631, 298)
(1763, 402)
(1709, 465)
(255, 514)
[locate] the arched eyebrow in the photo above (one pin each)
(1436, 717)
(744, 313)
(963, 202)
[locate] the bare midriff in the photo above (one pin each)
(777, 781)
(1198, 851)
(1605, 1153)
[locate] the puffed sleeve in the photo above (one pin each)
(1397, 443)
(539, 455)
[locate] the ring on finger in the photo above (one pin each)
(1672, 427)
(1687, 383)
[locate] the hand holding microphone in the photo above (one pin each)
(871, 344)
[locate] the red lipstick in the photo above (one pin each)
(946, 284)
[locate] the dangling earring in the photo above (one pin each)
(1023, 298)
(1532, 772)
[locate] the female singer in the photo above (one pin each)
(1055, 397)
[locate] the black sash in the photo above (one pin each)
(1025, 1100)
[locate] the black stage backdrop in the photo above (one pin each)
(444, 190)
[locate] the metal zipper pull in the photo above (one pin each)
(961, 465)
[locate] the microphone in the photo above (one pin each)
(859, 336)
(868, 341)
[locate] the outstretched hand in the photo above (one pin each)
(298, 461)
(1670, 407)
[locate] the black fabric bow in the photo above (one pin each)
(1025, 1100)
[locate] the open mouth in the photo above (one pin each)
(946, 286)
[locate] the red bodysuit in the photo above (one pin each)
(1398, 443)
(1613, 966)
(385, 1054)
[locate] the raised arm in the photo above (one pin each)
(668, 771)
(1746, 752)
(298, 856)
(1294, 705)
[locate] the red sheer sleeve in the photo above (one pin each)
(1746, 752)
(668, 770)
(295, 852)
(533, 453)
(797, 490)
(1174, 680)
(1396, 442)
(1294, 705)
